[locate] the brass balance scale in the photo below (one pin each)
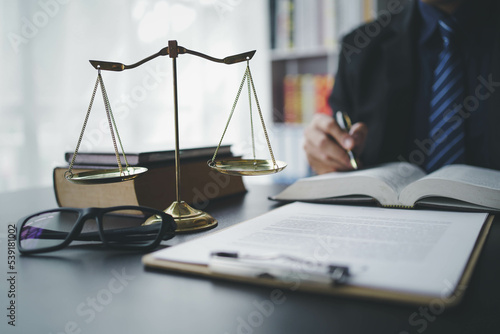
(188, 219)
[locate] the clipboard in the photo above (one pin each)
(340, 290)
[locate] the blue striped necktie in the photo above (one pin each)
(446, 129)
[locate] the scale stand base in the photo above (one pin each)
(187, 218)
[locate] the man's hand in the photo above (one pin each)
(326, 144)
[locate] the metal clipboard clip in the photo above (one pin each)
(279, 267)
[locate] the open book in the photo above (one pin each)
(402, 184)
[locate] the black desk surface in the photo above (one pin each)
(95, 291)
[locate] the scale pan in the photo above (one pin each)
(247, 167)
(107, 175)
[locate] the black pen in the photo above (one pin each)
(344, 121)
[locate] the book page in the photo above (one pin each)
(383, 183)
(475, 185)
(403, 250)
(482, 177)
(395, 174)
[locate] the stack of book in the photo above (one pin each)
(199, 184)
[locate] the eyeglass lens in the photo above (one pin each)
(119, 227)
(47, 229)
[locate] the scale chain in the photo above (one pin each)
(251, 116)
(248, 75)
(230, 116)
(261, 117)
(69, 173)
(108, 110)
(112, 127)
(118, 136)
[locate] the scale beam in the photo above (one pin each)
(114, 66)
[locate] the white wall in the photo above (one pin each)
(46, 80)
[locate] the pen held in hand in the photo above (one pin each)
(344, 121)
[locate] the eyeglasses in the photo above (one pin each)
(115, 227)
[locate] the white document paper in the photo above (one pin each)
(412, 251)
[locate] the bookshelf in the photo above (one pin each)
(304, 42)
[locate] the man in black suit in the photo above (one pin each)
(385, 83)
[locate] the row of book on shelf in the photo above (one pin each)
(302, 23)
(305, 95)
(305, 24)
